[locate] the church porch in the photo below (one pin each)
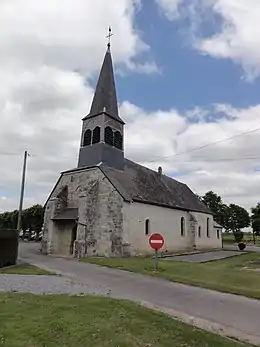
(65, 233)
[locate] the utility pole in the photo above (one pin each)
(22, 192)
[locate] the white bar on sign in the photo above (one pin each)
(156, 241)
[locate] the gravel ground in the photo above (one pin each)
(47, 285)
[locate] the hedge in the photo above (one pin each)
(9, 240)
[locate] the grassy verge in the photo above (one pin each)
(223, 275)
(248, 238)
(30, 320)
(24, 269)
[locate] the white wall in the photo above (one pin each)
(206, 242)
(167, 222)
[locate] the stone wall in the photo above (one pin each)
(191, 230)
(100, 222)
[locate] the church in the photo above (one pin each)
(109, 205)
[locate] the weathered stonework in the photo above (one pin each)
(100, 217)
(192, 227)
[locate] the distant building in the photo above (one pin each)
(109, 205)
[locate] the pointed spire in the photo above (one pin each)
(105, 99)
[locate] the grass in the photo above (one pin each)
(24, 269)
(223, 275)
(53, 321)
(248, 238)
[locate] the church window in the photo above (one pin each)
(118, 140)
(182, 226)
(96, 135)
(199, 231)
(87, 138)
(218, 233)
(147, 226)
(207, 227)
(109, 136)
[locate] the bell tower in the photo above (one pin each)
(102, 138)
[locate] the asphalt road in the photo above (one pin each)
(224, 313)
(249, 248)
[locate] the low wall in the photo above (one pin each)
(9, 240)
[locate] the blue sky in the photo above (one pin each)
(189, 78)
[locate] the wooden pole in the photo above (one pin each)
(22, 192)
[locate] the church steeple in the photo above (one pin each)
(103, 129)
(105, 99)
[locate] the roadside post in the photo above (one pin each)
(156, 242)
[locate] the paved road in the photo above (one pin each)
(231, 247)
(230, 314)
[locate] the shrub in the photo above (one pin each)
(238, 235)
(241, 246)
(8, 247)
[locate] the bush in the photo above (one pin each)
(238, 235)
(241, 246)
(8, 247)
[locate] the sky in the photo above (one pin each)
(188, 80)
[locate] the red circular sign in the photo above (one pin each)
(156, 241)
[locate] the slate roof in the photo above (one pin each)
(105, 94)
(140, 184)
(67, 214)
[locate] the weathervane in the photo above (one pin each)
(109, 36)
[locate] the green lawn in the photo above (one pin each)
(222, 275)
(248, 238)
(57, 321)
(24, 269)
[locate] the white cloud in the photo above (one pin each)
(237, 37)
(170, 8)
(225, 167)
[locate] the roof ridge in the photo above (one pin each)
(154, 171)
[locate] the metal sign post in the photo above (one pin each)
(156, 242)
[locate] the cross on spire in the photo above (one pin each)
(109, 36)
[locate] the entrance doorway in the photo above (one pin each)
(73, 238)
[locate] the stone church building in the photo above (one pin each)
(110, 205)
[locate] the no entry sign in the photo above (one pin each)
(156, 241)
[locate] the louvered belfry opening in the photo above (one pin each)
(96, 135)
(87, 138)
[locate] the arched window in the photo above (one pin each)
(118, 140)
(199, 231)
(147, 226)
(96, 135)
(109, 136)
(207, 227)
(182, 226)
(87, 138)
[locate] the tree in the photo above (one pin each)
(233, 218)
(36, 215)
(237, 218)
(215, 204)
(32, 219)
(255, 220)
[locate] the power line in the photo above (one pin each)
(164, 157)
(211, 160)
(208, 145)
